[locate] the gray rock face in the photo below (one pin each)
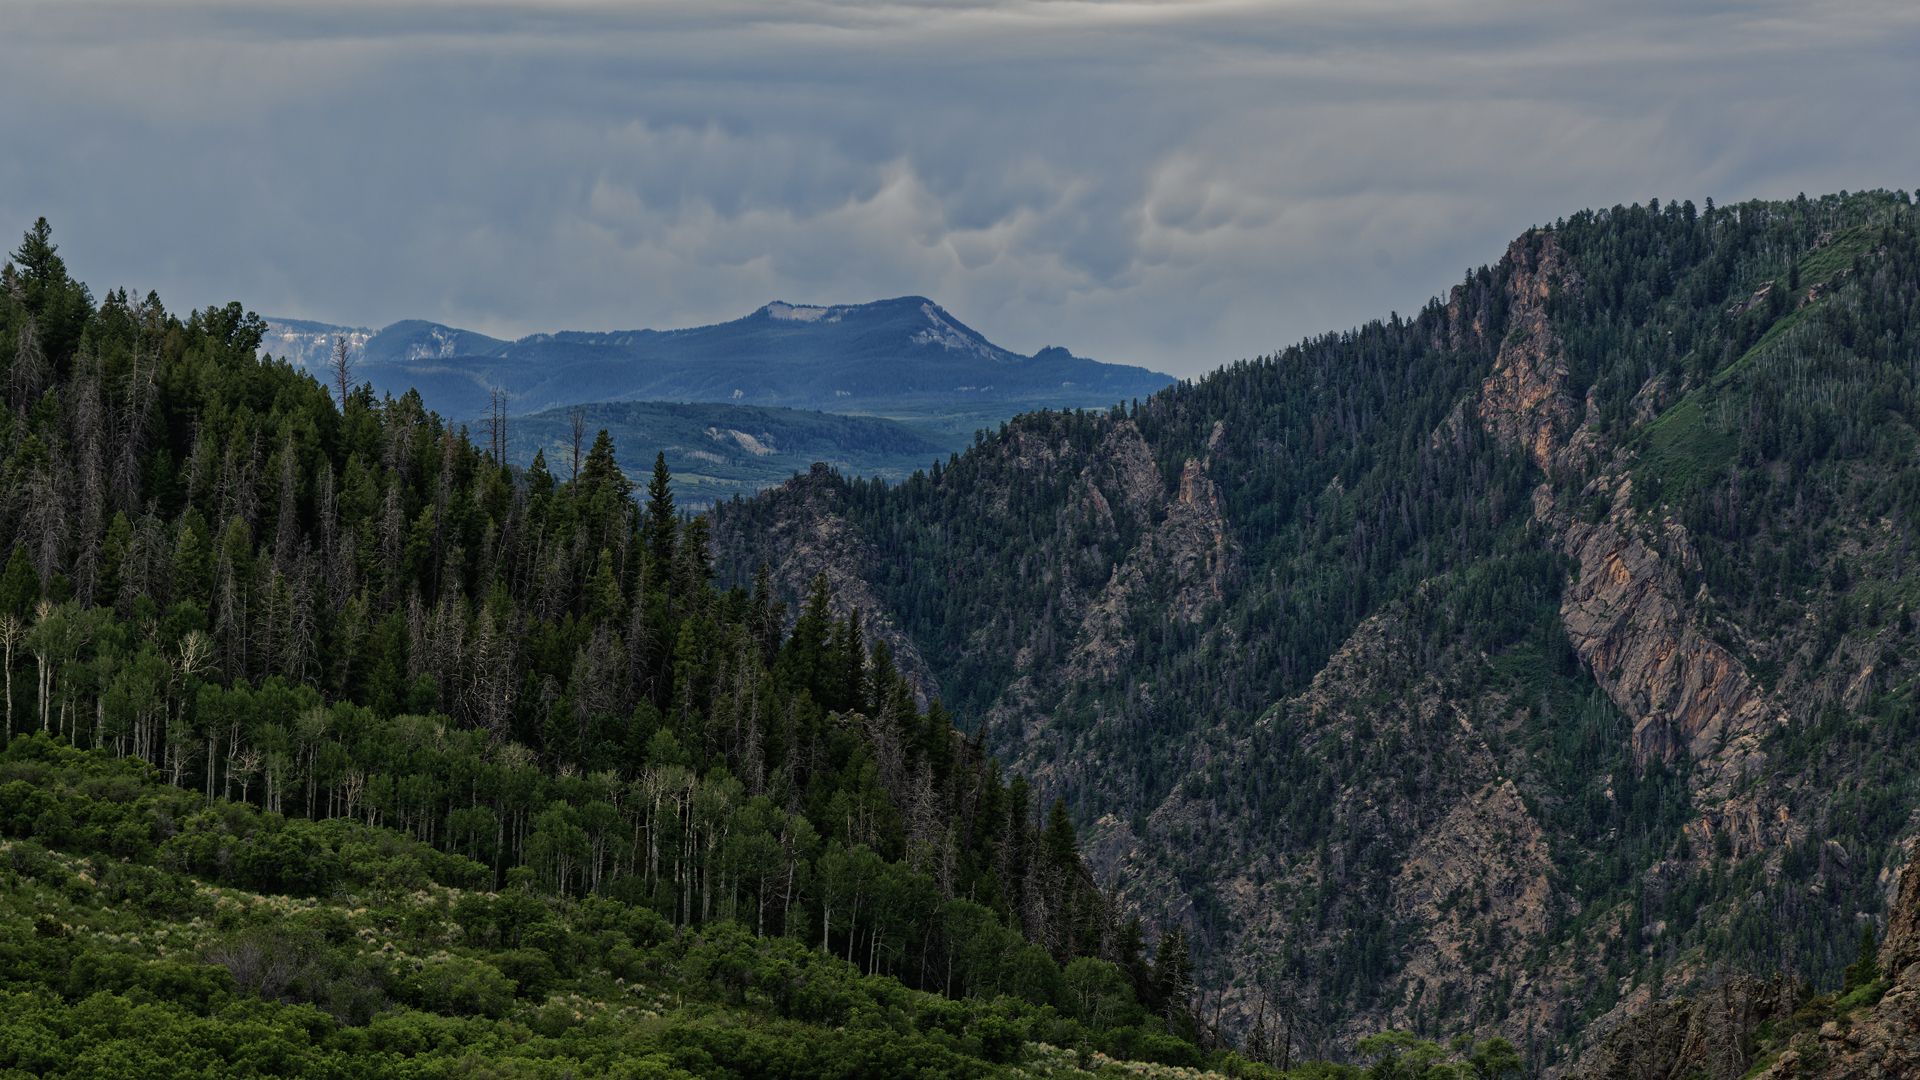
(1710, 1036)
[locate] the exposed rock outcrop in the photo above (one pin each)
(1460, 867)
(1628, 617)
(1183, 556)
(1627, 611)
(1709, 1036)
(1479, 875)
(1186, 545)
(1900, 949)
(1525, 401)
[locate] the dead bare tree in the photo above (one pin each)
(286, 530)
(44, 521)
(30, 371)
(142, 389)
(263, 961)
(577, 427)
(342, 366)
(89, 442)
(497, 424)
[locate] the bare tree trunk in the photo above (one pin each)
(44, 691)
(12, 633)
(342, 369)
(577, 427)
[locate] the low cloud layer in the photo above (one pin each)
(1178, 183)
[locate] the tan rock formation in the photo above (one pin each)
(1628, 611)
(1627, 615)
(1480, 874)
(1524, 401)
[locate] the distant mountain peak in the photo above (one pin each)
(948, 332)
(923, 322)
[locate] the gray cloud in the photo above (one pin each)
(1172, 182)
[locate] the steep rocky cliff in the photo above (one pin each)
(812, 540)
(1626, 609)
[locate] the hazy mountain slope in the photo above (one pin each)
(717, 451)
(903, 360)
(309, 345)
(1482, 668)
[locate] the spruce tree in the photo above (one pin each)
(1866, 960)
(663, 526)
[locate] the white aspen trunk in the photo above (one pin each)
(9, 651)
(786, 902)
(853, 925)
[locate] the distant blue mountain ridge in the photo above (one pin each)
(903, 358)
(919, 377)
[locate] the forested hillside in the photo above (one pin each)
(521, 767)
(1492, 667)
(718, 451)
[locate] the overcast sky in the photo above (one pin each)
(1178, 183)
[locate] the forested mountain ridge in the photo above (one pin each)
(1489, 667)
(372, 662)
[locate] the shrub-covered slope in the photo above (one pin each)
(148, 931)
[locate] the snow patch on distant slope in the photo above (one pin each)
(948, 336)
(801, 312)
(306, 347)
(444, 346)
